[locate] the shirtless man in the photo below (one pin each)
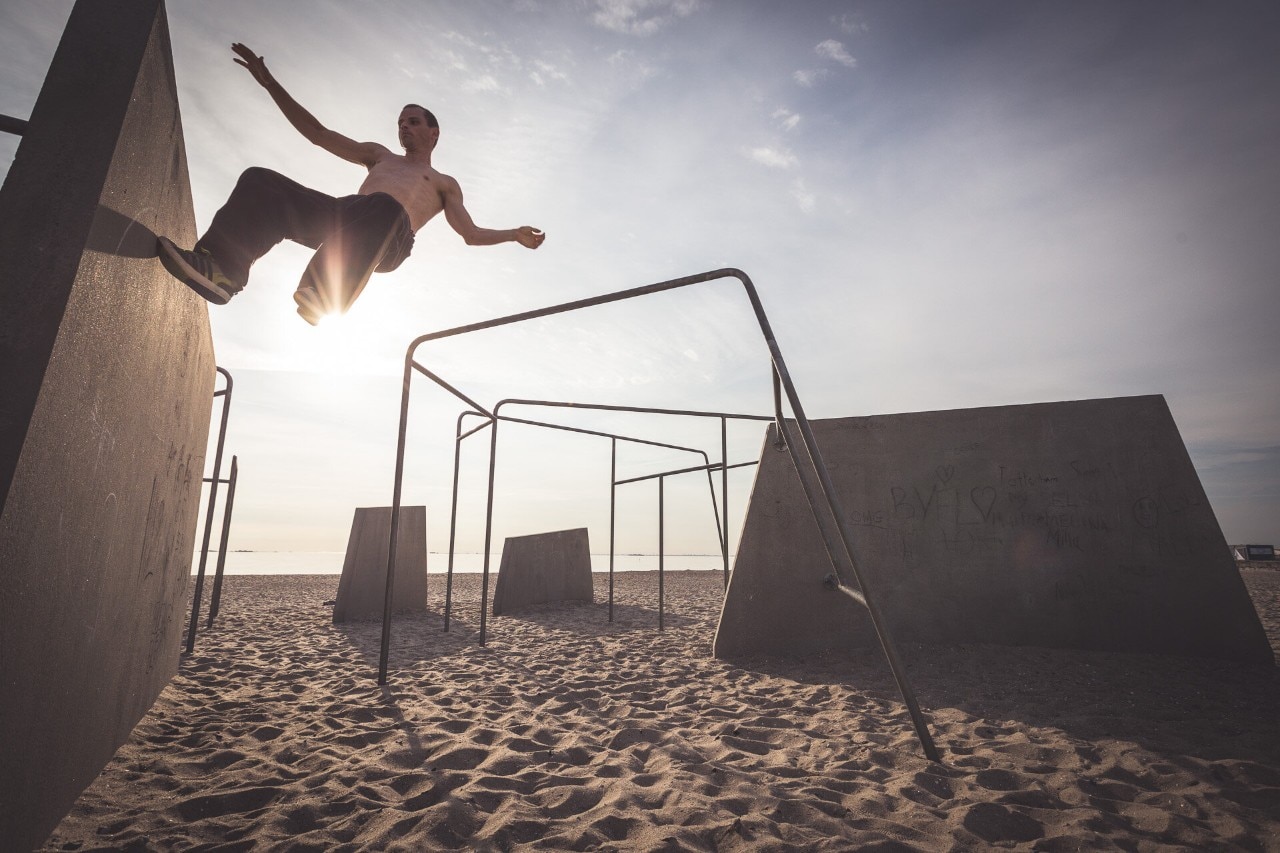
(354, 236)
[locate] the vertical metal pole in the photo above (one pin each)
(208, 519)
(724, 494)
(661, 550)
(488, 531)
(216, 598)
(453, 523)
(613, 513)
(387, 597)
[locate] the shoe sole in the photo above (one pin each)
(172, 260)
(308, 307)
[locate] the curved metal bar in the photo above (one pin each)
(783, 383)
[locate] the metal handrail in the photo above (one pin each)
(809, 467)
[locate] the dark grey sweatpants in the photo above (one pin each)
(353, 236)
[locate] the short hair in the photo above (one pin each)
(431, 119)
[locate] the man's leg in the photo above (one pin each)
(264, 208)
(374, 233)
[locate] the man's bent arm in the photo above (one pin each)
(455, 213)
(364, 153)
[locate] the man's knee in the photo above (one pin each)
(257, 177)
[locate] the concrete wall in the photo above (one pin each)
(1069, 525)
(106, 384)
(362, 591)
(543, 567)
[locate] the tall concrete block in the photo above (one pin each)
(1068, 525)
(543, 567)
(362, 590)
(106, 388)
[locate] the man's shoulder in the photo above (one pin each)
(378, 152)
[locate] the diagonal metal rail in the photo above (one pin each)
(810, 466)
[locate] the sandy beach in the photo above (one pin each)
(567, 732)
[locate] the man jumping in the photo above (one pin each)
(353, 236)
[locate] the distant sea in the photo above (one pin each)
(330, 562)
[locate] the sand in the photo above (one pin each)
(570, 733)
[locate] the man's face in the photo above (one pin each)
(415, 135)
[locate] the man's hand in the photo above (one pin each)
(529, 237)
(254, 63)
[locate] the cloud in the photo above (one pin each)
(774, 158)
(834, 50)
(641, 17)
(806, 200)
(632, 68)
(850, 23)
(807, 77)
(546, 71)
(786, 118)
(483, 83)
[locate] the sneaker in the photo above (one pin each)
(198, 271)
(310, 307)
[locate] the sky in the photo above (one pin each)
(942, 204)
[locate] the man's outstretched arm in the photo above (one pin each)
(460, 220)
(364, 153)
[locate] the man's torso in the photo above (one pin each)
(419, 188)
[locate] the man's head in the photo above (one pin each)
(418, 128)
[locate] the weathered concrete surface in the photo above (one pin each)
(543, 567)
(1067, 525)
(106, 387)
(362, 591)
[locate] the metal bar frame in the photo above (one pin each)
(707, 466)
(724, 417)
(225, 394)
(812, 470)
(491, 422)
(722, 530)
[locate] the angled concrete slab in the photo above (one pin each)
(543, 567)
(362, 589)
(1067, 525)
(106, 388)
